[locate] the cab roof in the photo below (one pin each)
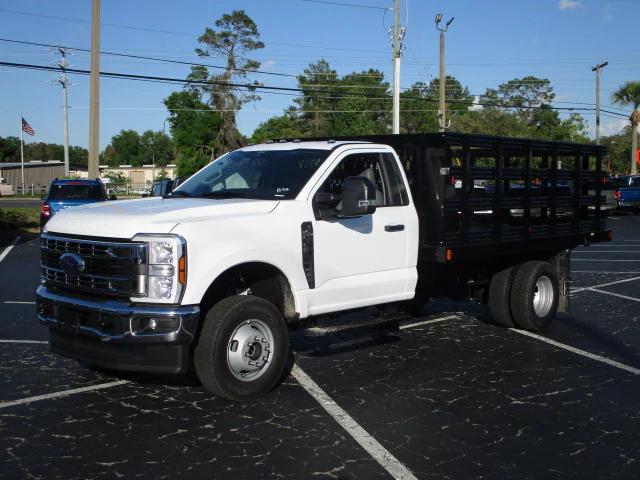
(299, 144)
(76, 181)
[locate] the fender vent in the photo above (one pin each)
(307, 253)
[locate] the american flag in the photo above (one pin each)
(26, 128)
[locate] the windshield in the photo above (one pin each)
(71, 191)
(269, 174)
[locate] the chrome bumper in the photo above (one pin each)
(113, 321)
(102, 333)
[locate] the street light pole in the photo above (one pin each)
(64, 81)
(597, 69)
(94, 95)
(442, 121)
(398, 34)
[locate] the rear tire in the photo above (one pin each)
(500, 297)
(534, 295)
(242, 349)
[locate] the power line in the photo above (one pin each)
(169, 32)
(271, 88)
(143, 57)
(357, 5)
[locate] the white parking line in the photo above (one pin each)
(602, 271)
(607, 245)
(385, 458)
(605, 284)
(614, 294)
(63, 393)
(23, 341)
(426, 322)
(6, 251)
(17, 302)
(573, 259)
(592, 356)
(607, 251)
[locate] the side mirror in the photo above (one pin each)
(358, 197)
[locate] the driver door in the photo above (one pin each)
(362, 260)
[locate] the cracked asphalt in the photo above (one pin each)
(455, 397)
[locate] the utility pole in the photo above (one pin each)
(65, 109)
(94, 99)
(398, 36)
(597, 69)
(442, 120)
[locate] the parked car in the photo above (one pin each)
(163, 187)
(212, 274)
(627, 192)
(71, 193)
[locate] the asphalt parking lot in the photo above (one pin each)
(448, 396)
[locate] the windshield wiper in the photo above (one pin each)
(222, 194)
(177, 193)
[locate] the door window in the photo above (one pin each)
(380, 169)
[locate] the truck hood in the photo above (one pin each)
(126, 218)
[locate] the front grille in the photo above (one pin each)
(110, 268)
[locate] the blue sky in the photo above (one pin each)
(490, 42)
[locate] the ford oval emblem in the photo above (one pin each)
(71, 263)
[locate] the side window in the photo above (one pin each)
(397, 190)
(368, 165)
(635, 182)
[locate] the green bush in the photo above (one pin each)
(17, 218)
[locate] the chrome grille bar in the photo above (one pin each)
(110, 268)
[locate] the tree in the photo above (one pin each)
(234, 38)
(524, 94)
(330, 106)
(629, 94)
(618, 146)
(316, 81)
(9, 149)
(285, 126)
(124, 149)
(116, 179)
(130, 148)
(162, 174)
(155, 147)
(194, 128)
(419, 104)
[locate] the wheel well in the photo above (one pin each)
(255, 278)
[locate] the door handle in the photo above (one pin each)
(394, 228)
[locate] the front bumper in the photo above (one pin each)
(102, 333)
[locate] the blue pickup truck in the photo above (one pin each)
(70, 193)
(627, 192)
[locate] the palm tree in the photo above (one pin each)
(629, 94)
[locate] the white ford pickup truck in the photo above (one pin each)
(211, 274)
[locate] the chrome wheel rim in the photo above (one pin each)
(250, 350)
(543, 296)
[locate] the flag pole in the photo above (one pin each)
(21, 154)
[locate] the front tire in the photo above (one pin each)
(242, 349)
(534, 295)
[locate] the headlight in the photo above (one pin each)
(167, 268)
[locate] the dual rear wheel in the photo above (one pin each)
(525, 296)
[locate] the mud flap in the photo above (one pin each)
(561, 262)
